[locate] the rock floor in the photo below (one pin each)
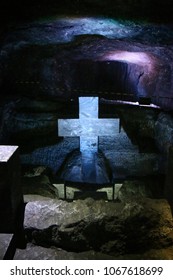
(44, 215)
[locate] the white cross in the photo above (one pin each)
(88, 127)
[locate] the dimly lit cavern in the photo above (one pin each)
(86, 130)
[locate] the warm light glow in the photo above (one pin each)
(146, 60)
(140, 58)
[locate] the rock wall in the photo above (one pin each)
(67, 58)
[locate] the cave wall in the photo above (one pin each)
(83, 66)
(61, 57)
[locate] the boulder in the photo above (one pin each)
(133, 190)
(39, 185)
(110, 228)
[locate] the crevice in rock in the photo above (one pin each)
(139, 77)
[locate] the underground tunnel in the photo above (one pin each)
(88, 101)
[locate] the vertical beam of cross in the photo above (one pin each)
(88, 127)
(88, 109)
(88, 113)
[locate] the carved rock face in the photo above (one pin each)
(68, 58)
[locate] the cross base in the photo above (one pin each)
(88, 188)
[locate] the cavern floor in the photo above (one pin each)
(34, 252)
(133, 226)
(162, 251)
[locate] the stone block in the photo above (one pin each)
(5, 240)
(11, 197)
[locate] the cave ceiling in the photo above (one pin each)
(65, 57)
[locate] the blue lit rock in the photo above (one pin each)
(51, 156)
(128, 162)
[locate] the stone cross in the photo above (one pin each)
(88, 127)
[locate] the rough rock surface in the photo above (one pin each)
(34, 252)
(110, 228)
(39, 185)
(164, 132)
(95, 47)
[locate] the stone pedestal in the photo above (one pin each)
(5, 240)
(11, 197)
